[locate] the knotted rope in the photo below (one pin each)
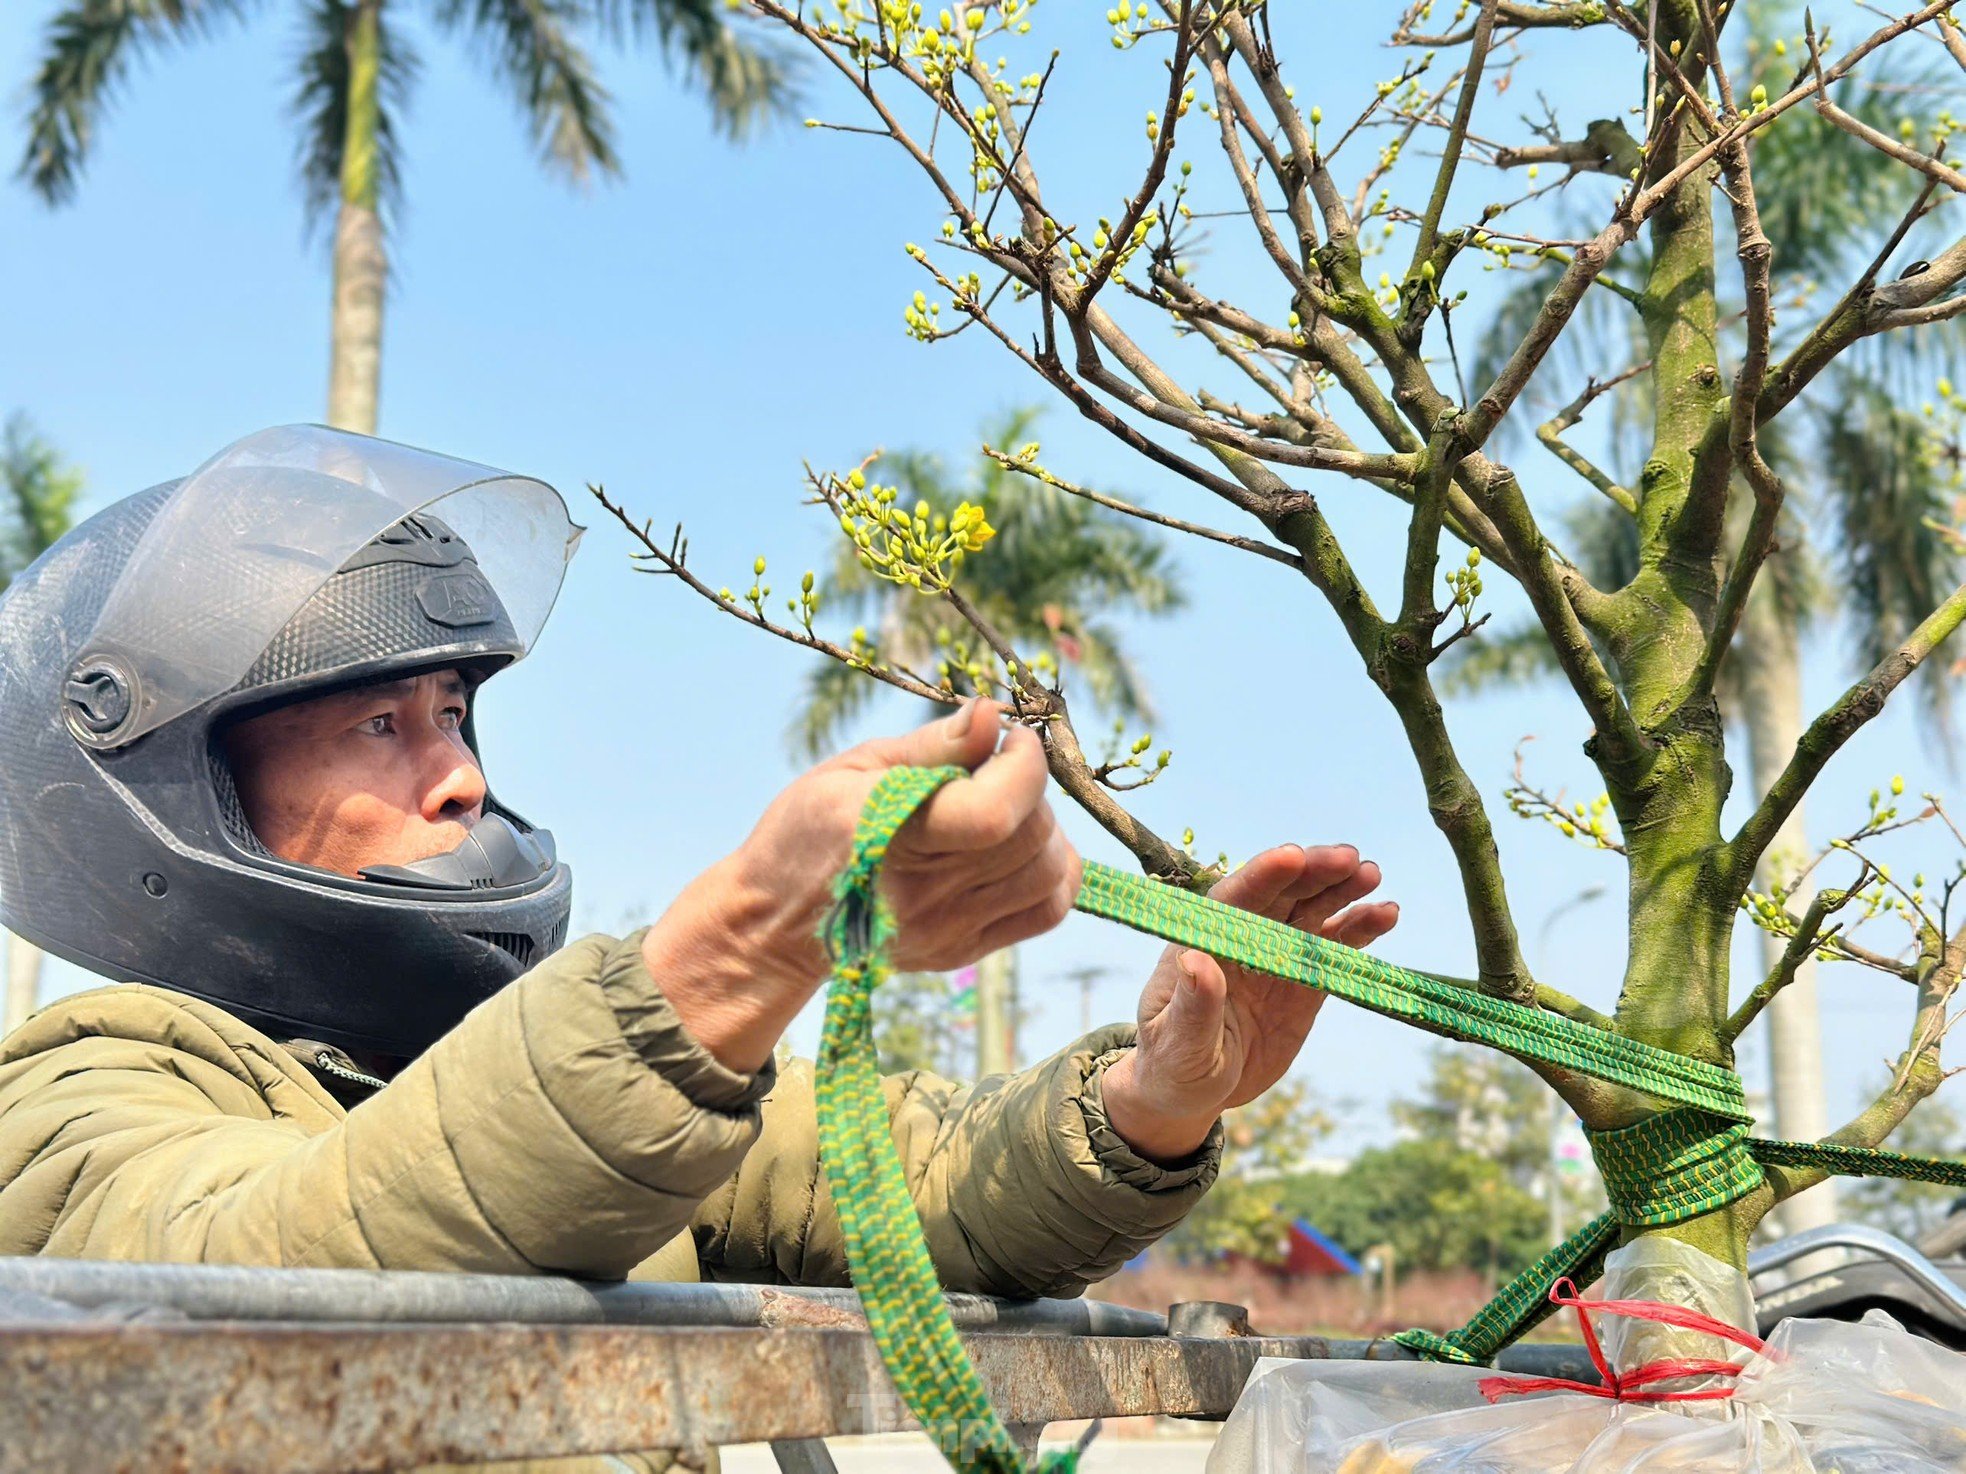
(1692, 1158)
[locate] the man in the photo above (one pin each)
(238, 768)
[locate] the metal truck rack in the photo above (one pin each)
(167, 1367)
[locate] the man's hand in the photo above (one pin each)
(1213, 1038)
(981, 866)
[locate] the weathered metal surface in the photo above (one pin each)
(227, 1292)
(1207, 1318)
(183, 1397)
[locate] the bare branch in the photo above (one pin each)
(1857, 128)
(1754, 252)
(1835, 727)
(1136, 208)
(1160, 519)
(1918, 1072)
(1808, 939)
(669, 561)
(1550, 433)
(1515, 13)
(1457, 136)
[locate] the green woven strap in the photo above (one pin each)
(1521, 1303)
(1283, 951)
(885, 1246)
(1672, 1167)
(1859, 1161)
(1665, 1169)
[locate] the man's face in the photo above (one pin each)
(378, 775)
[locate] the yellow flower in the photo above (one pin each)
(968, 526)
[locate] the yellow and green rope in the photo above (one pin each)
(1692, 1158)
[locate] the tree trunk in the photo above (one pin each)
(1770, 667)
(23, 982)
(360, 260)
(996, 1013)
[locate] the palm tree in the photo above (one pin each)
(356, 72)
(1056, 571)
(37, 500)
(1869, 498)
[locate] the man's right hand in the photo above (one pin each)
(981, 866)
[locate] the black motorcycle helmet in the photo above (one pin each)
(296, 562)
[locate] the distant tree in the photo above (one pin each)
(37, 502)
(919, 1027)
(37, 496)
(1440, 1207)
(1482, 1103)
(356, 72)
(1247, 1211)
(1495, 1108)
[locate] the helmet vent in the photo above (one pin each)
(519, 946)
(231, 812)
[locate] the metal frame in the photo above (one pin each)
(168, 1367)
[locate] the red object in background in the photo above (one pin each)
(1309, 1252)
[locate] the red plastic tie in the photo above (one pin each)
(1635, 1385)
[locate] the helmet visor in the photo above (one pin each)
(253, 534)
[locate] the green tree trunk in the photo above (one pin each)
(360, 259)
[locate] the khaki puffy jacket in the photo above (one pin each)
(568, 1125)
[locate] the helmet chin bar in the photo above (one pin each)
(495, 853)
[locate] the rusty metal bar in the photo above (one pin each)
(215, 1368)
(216, 1397)
(177, 1397)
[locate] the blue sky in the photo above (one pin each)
(689, 337)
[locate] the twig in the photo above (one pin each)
(1833, 728)
(1550, 433)
(1036, 472)
(669, 562)
(1805, 942)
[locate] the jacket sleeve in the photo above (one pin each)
(1023, 1187)
(568, 1124)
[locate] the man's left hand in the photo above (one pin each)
(1215, 1037)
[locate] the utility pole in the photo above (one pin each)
(23, 982)
(996, 1013)
(1087, 978)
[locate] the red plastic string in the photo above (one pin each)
(1635, 1385)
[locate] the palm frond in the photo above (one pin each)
(835, 694)
(1057, 569)
(1884, 488)
(1604, 338)
(1518, 656)
(1601, 539)
(87, 50)
(535, 47)
(320, 105)
(747, 84)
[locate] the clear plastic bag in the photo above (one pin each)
(1825, 1397)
